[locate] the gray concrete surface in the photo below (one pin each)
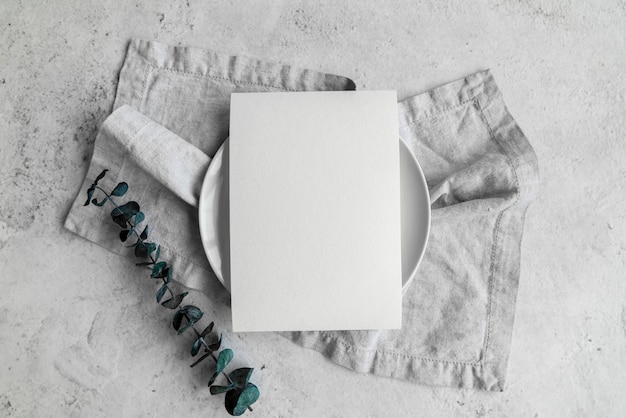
(80, 334)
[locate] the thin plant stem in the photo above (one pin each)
(132, 228)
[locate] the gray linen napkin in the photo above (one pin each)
(481, 171)
(458, 314)
(186, 91)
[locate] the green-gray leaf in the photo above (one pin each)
(178, 319)
(216, 345)
(129, 209)
(164, 274)
(225, 356)
(120, 189)
(238, 400)
(161, 293)
(158, 253)
(193, 313)
(124, 234)
(90, 191)
(175, 301)
(144, 233)
(119, 219)
(141, 250)
(139, 218)
(157, 269)
(122, 214)
(216, 389)
(241, 376)
(196, 347)
(185, 328)
(213, 377)
(151, 247)
(100, 176)
(100, 203)
(207, 330)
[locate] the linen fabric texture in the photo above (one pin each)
(171, 114)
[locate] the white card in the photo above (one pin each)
(315, 211)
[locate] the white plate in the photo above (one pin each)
(214, 215)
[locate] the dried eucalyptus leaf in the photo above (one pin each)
(193, 313)
(139, 218)
(100, 203)
(213, 377)
(168, 276)
(129, 209)
(158, 252)
(237, 401)
(216, 389)
(216, 345)
(90, 191)
(120, 190)
(226, 355)
(205, 355)
(119, 219)
(161, 292)
(185, 328)
(144, 233)
(196, 347)
(151, 247)
(241, 376)
(101, 176)
(178, 319)
(175, 301)
(157, 269)
(122, 214)
(124, 234)
(141, 250)
(163, 274)
(207, 330)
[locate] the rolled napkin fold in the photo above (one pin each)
(482, 173)
(172, 161)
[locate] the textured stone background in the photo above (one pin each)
(80, 334)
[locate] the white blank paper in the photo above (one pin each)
(315, 211)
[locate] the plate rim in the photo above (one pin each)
(202, 220)
(422, 179)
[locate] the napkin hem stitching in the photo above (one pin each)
(144, 93)
(394, 353)
(433, 113)
(212, 77)
(436, 112)
(492, 261)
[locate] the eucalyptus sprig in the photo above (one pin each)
(240, 392)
